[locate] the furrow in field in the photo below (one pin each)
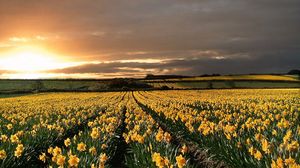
(198, 156)
(118, 158)
(148, 144)
(94, 146)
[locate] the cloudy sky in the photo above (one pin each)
(115, 38)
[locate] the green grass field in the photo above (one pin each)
(224, 84)
(29, 85)
(237, 81)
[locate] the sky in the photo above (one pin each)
(131, 38)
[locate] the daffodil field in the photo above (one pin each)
(186, 128)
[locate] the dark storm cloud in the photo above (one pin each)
(260, 35)
(193, 66)
(108, 67)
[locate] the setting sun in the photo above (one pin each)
(30, 59)
(32, 62)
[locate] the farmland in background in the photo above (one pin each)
(213, 82)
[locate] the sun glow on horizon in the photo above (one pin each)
(30, 59)
(32, 62)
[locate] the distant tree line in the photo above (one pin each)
(151, 76)
(127, 84)
(294, 72)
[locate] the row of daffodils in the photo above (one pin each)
(149, 145)
(89, 148)
(245, 128)
(30, 124)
